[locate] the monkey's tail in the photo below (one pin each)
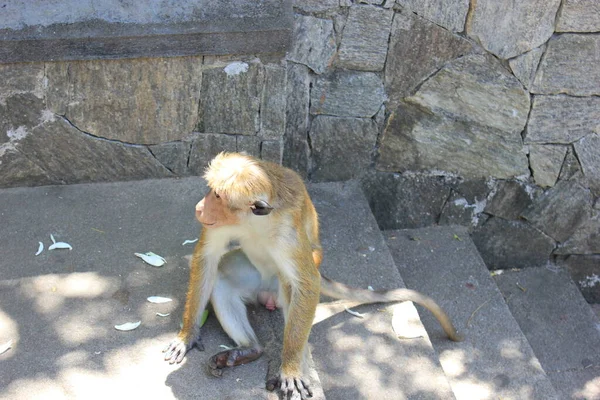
(338, 290)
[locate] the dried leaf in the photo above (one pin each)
(60, 245)
(151, 258)
(40, 249)
(128, 326)
(6, 346)
(189, 242)
(158, 299)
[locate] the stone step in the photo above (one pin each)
(362, 358)
(495, 360)
(560, 326)
(59, 308)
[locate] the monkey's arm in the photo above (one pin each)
(203, 273)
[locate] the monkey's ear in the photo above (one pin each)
(261, 208)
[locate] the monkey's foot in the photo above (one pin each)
(176, 350)
(290, 387)
(231, 358)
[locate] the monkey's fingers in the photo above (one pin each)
(175, 351)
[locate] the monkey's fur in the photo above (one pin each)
(267, 210)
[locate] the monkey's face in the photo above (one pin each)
(214, 211)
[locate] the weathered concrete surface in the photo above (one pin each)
(560, 326)
(508, 29)
(71, 30)
(495, 360)
(361, 358)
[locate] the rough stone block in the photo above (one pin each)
(570, 66)
(347, 94)
(459, 211)
(585, 272)
(272, 108)
(231, 98)
(205, 147)
(316, 6)
(365, 38)
(295, 140)
(546, 162)
(525, 66)
(477, 88)
(508, 29)
(174, 156)
(85, 158)
(248, 144)
(20, 110)
(451, 14)
(271, 150)
(585, 240)
(512, 244)
(562, 119)
(571, 167)
(20, 78)
(313, 43)
(579, 16)
(341, 147)
(416, 140)
(510, 199)
(560, 210)
(588, 153)
(399, 201)
(16, 169)
(417, 49)
(142, 101)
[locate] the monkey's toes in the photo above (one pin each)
(290, 387)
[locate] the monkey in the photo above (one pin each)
(266, 209)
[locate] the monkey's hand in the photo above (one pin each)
(176, 350)
(290, 387)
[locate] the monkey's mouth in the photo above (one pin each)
(207, 224)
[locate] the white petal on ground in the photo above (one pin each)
(52, 237)
(5, 347)
(356, 314)
(40, 249)
(163, 315)
(151, 258)
(128, 326)
(158, 299)
(189, 242)
(60, 245)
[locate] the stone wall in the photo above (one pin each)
(481, 113)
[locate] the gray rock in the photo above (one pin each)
(271, 150)
(173, 156)
(399, 201)
(205, 147)
(247, 144)
(512, 244)
(231, 99)
(588, 153)
(20, 110)
(347, 94)
(508, 29)
(546, 162)
(143, 101)
(525, 66)
(584, 271)
(21, 78)
(585, 240)
(562, 119)
(416, 140)
(459, 211)
(295, 140)
(341, 147)
(85, 158)
(316, 6)
(570, 66)
(477, 88)
(451, 14)
(16, 169)
(510, 199)
(579, 16)
(418, 48)
(272, 108)
(313, 43)
(57, 88)
(365, 38)
(571, 167)
(560, 210)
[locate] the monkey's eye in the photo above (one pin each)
(261, 208)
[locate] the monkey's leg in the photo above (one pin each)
(229, 306)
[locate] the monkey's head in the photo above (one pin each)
(239, 188)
